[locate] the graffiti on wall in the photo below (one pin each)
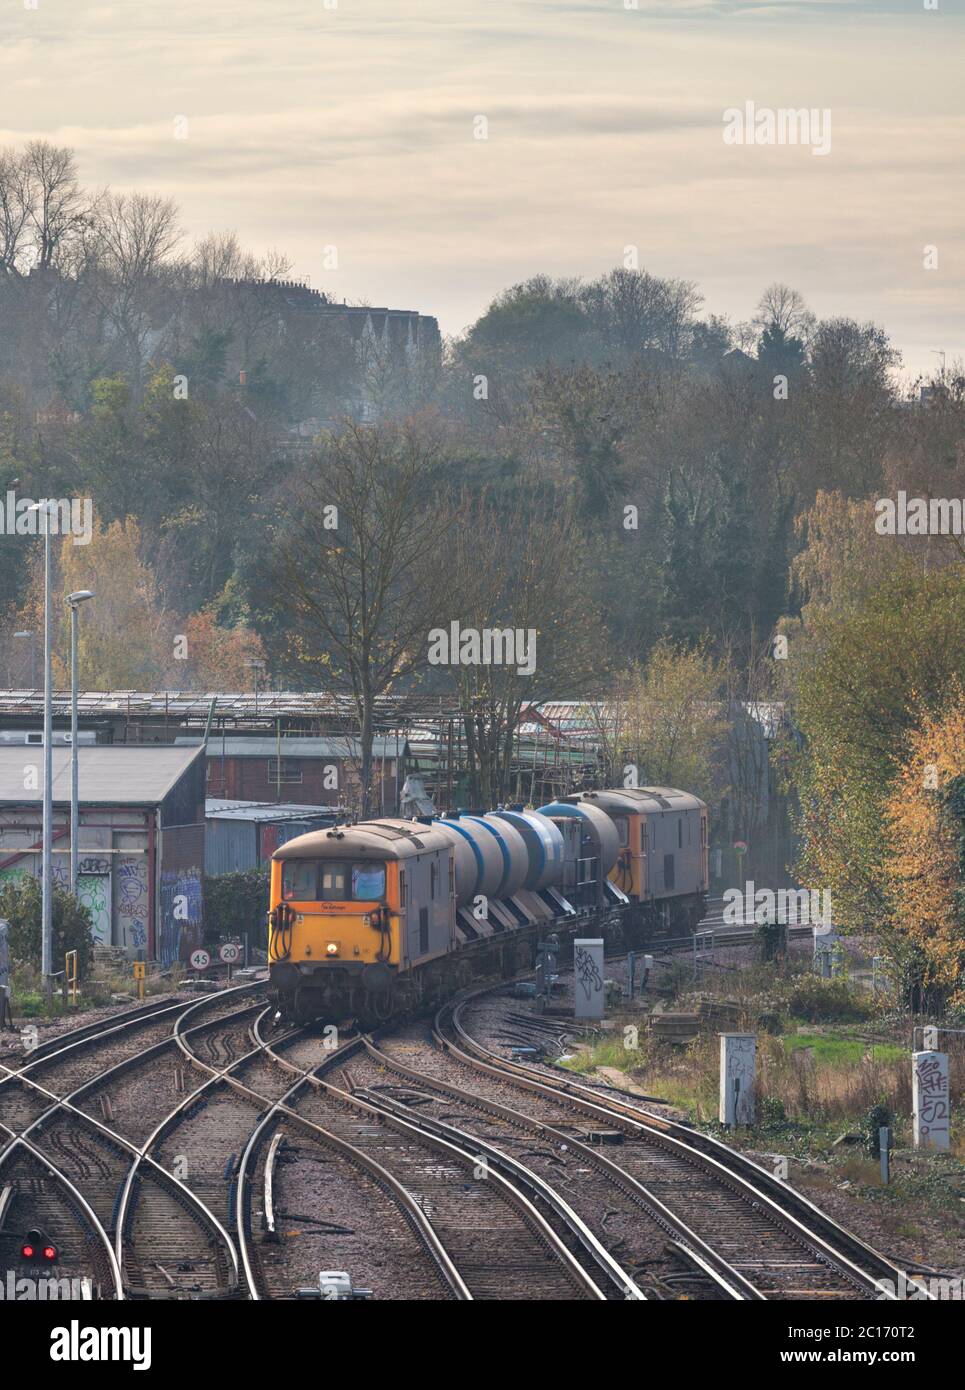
(131, 901)
(94, 893)
(180, 911)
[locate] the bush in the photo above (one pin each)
(819, 1001)
(877, 1118)
(21, 903)
(771, 1111)
(237, 903)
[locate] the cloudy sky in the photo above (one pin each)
(351, 124)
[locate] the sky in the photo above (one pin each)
(352, 124)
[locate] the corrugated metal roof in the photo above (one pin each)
(119, 776)
(217, 809)
(333, 746)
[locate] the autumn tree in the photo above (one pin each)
(216, 657)
(124, 636)
(860, 680)
(671, 720)
(925, 864)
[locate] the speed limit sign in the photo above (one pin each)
(229, 952)
(200, 960)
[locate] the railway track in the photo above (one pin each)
(167, 1241)
(802, 1253)
(35, 1195)
(643, 1247)
(423, 1160)
(353, 1186)
(483, 1233)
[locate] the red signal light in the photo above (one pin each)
(37, 1245)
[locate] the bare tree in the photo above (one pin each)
(16, 194)
(59, 209)
(508, 577)
(780, 307)
(136, 237)
(361, 565)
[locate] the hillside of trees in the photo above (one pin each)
(649, 487)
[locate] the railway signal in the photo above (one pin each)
(38, 1248)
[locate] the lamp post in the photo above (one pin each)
(33, 656)
(74, 601)
(46, 950)
(257, 666)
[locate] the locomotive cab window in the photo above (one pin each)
(623, 829)
(299, 880)
(331, 881)
(368, 881)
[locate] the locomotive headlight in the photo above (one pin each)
(332, 948)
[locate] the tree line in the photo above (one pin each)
(656, 492)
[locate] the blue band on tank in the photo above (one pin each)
(487, 825)
(480, 866)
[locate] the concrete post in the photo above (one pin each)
(931, 1099)
(738, 1055)
(884, 1148)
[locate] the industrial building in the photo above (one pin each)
(242, 835)
(141, 838)
(322, 771)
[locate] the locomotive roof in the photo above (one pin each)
(375, 839)
(642, 800)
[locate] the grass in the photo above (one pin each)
(817, 1075)
(95, 991)
(831, 1050)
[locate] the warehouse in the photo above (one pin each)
(141, 840)
(324, 771)
(242, 835)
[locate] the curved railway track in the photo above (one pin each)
(482, 1231)
(806, 1253)
(423, 1160)
(147, 1206)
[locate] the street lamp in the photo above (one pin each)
(74, 601)
(33, 656)
(47, 919)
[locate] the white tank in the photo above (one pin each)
(544, 847)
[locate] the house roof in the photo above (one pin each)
(106, 775)
(217, 809)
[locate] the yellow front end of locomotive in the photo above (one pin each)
(333, 931)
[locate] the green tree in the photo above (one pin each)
(862, 680)
(21, 903)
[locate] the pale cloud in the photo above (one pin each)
(310, 126)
